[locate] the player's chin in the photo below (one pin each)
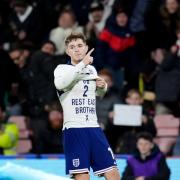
(77, 59)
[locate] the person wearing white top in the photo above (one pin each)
(66, 25)
(85, 144)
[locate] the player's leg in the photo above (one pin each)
(83, 176)
(112, 175)
(77, 153)
(103, 162)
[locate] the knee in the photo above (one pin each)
(112, 175)
(83, 176)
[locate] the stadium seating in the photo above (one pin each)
(24, 143)
(167, 132)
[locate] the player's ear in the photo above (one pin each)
(67, 52)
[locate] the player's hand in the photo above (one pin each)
(88, 59)
(100, 83)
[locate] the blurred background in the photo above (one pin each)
(137, 52)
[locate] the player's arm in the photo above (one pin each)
(65, 75)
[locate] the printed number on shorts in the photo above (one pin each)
(110, 150)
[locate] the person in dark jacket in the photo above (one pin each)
(161, 74)
(7, 81)
(48, 135)
(162, 19)
(167, 84)
(26, 23)
(116, 48)
(105, 104)
(41, 67)
(148, 163)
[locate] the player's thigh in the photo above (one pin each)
(76, 151)
(112, 174)
(83, 176)
(101, 154)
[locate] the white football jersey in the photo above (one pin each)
(77, 92)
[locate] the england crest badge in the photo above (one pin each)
(76, 162)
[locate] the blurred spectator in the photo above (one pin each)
(149, 71)
(114, 41)
(26, 23)
(49, 135)
(123, 137)
(162, 20)
(95, 24)
(148, 163)
(108, 7)
(137, 20)
(66, 24)
(128, 5)
(41, 68)
(176, 47)
(105, 104)
(49, 9)
(170, 14)
(138, 25)
(167, 84)
(81, 10)
(7, 81)
(116, 48)
(20, 55)
(98, 14)
(9, 135)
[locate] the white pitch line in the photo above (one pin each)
(13, 170)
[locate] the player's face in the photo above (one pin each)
(77, 50)
(144, 146)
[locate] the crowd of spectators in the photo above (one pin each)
(137, 50)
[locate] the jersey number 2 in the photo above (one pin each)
(85, 91)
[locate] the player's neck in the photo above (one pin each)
(73, 62)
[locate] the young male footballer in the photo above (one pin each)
(78, 85)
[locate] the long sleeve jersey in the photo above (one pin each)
(77, 94)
